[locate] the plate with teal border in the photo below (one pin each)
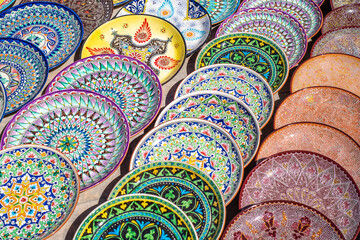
(191, 190)
(219, 10)
(222, 109)
(136, 216)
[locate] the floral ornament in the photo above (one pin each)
(301, 228)
(143, 34)
(166, 63)
(241, 236)
(270, 225)
(100, 51)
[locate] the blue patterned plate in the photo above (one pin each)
(189, 17)
(54, 28)
(219, 10)
(23, 71)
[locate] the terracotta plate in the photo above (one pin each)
(219, 10)
(191, 190)
(331, 106)
(149, 39)
(334, 70)
(308, 178)
(345, 16)
(198, 142)
(88, 128)
(290, 220)
(339, 3)
(251, 50)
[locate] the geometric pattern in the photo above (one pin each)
(199, 143)
(89, 129)
(219, 10)
(38, 192)
(310, 179)
(183, 185)
(136, 216)
(132, 85)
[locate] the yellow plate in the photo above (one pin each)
(150, 39)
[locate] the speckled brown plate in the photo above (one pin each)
(331, 106)
(345, 16)
(334, 70)
(339, 3)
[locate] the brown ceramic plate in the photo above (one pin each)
(345, 16)
(318, 138)
(331, 106)
(339, 3)
(335, 70)
(291, 176)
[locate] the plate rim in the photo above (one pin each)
(335, 11)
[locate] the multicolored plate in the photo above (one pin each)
(149, 39)
(4, 4)
(184, 185)
(92, 13)
(39, 189)
(192, 20)
(131, 84)
(23, 71)
(333, 70)
(283, 219)
(88, 128)
(277, 25)
(219, 10)
(342, 40)
(222, 109)
(137, 216)
(241, 82)
(331, 106)
(307, 12)
(345, 16)
(198, 142)
(310, 179)
(251, 50)
(339, 3)
(52, 27)
(318, 138)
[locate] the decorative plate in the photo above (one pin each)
(3, 100)
(307, 12)
(277, 25)
(310, 179)
(119, 2)
(92, 13)
(251, 50)
(318, 138)
(184, 185)
(149, 39)
(331, 106)
(4, 4)
(222, 109)
(190, 18)
(333, 70)
(339, 3)
(198, 142)
(87, 127)
(137, 216)
(283, 219)
(346, 16)
(39, 189)
(131, 84)
(219, 10)
(52, 27)
(23, 71)
(342, 40)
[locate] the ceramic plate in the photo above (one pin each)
(306, 12)
(137, 216)
(3, 100)
(288, 220)
(335, 193)
(333, 70)
(219, 10)
(198, 142)
(39, 189)
(251, 50)
(132, 85)
(241, 82)
(88, 128)
(119, 2)
(184, 185)
(149, 39)
(277, 25)
(189, 17)
(222, 109)
(331, 106)
(23, 71)
(4, 4)
(92, 13)
(52, 27)
(346, 16)
(342, 40)
(339, 3)
(318, 138)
